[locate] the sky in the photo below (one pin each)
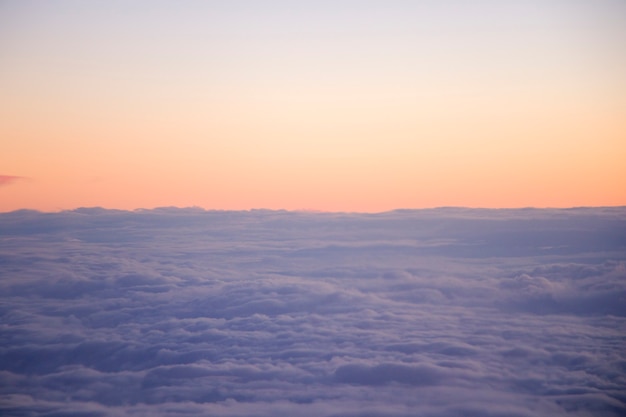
(360, 106)
(448, 312)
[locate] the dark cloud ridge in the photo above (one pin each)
(441, 312)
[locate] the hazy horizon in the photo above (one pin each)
(305, 210)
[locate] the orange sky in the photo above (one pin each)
(366, 106)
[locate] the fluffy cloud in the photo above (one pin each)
(447, 312)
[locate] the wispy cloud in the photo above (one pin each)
(8, 179)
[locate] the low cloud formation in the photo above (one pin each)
(444, 312)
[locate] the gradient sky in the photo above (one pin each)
(322, 105)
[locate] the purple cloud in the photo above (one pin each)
(450, 312)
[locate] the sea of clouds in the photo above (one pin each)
(443, 312)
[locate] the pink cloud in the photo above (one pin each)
(8, 179)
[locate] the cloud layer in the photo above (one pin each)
(446, 312)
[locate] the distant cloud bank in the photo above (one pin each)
(443, 312)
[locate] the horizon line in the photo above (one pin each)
(307, 211)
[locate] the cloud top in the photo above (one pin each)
(443, 312)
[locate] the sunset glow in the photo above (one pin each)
(334, 106)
